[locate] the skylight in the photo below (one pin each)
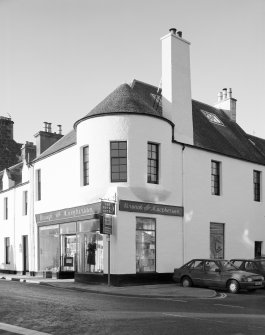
(212, 118)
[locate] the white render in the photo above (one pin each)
(184, 181)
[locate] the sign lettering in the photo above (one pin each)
(150, 208)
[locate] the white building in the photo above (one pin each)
(177, 178)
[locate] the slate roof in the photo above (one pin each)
(140, 98)
(66, 141)
(123, 100)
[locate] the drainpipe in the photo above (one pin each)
(182, 204)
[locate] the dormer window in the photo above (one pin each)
(212, 117)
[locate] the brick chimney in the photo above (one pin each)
(28, 152)
(6, 128)
(176, 85)
(46, 138)
(227, 103)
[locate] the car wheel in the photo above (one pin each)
(186, 282)
(233, 286)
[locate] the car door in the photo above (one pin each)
(196, 272)
(212, 275)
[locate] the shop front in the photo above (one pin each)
(70, 241)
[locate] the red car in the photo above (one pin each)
(217, 273)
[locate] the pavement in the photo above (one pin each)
(172, 291)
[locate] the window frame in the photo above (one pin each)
(85, 165)
(215, 178)
(118, 157)
(7, 250)
(38, 184)
(153, 163)
(5, 208)
(257, 185)
(25, 203)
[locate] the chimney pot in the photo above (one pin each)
(224, 93)
(220, 96)
(173, 31)
(45, 126)
(229, 94)
(59, 128)
(179, 33)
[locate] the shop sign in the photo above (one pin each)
(150, 208)
(68, 214)
(106, 224)
(107, 207)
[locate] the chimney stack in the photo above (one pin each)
(227, 103)
(176, 85)
(44, 139)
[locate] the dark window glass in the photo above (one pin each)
(256, 184)
(118, 156)
(152, 163)
(215, 178)
(38, 182)
(7, 250)
(25, 202)
(85, 165)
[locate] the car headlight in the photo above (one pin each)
(247, 279)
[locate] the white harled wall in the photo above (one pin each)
(243, 217)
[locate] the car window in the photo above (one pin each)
(211, 266)
(237, 263)
(250, 266)
(198, 265)
(228, 266)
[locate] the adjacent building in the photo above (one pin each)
(144, 182)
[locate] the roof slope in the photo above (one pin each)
(141, 98)
(227, 139)
(122, 100)
(63, 143)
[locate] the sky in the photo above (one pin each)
(60, 58)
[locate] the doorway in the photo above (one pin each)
(25, 255)
(68, 252)
(258, 247)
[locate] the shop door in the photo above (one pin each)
(68, 252)
(25, 255)
(216, 240)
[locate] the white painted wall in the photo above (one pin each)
(243, 217)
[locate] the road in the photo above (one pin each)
(63, 311)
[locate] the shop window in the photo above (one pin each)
(217, 240)
(85, 165)
(90, 247)
(25, 203)
(153, 163)
(38, 185)
(5, 208)
(145, 244)
(256, 184)
(118, 156)
(49, 251)
(215, 177)
(7, 250)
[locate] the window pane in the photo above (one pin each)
(145, 245)
(49, 250)
(118, 154)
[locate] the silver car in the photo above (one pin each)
(217, 273)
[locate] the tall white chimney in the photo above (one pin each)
(227, 103)
(176, 85)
